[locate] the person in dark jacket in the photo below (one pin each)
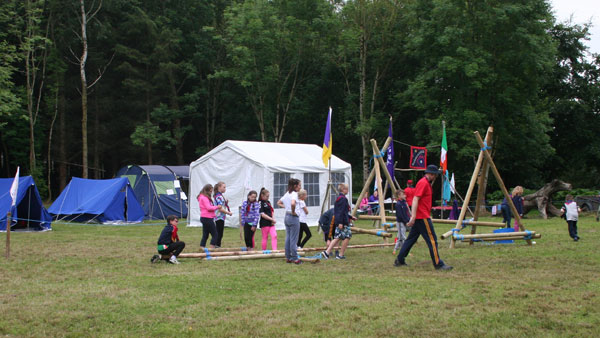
(169, 245)
(517, 198)
(342, 220)
(325, 224)
(402, 217)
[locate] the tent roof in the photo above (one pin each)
(282, 157)
(182, 171)
(156, 169)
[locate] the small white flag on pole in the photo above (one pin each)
(14, 189)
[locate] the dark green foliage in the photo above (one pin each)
(184, 75)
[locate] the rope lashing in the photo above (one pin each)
(485, 146)
(458, 237)
(381, 233)
(266, 251)
(528, 236)
(456, 229)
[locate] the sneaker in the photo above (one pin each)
(337, 253)
(288, 260)
(340, 257)
(444, 267)
(155, 259)
(324, 255)
(298, 262)
(397, 263)
(576, 238)
(173, 260)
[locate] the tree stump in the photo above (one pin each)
(542, 199)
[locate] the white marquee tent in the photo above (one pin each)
(245, 166)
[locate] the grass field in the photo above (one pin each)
(97, 281)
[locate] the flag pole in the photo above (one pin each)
(8, 218)
(442, 180)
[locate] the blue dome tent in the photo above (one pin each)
(161, 190)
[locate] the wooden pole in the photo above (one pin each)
(368, 182)
(232, 251)
(461, 217)
(371, 232)
(493, 235)
(267, 256)
(440, 221)
(481, 185)
(496, 173)
(8, 218)
(379, 159)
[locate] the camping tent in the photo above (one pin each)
(158, 188)
(29, 212)
(246, 166)
(104, 201)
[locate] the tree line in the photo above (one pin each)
(87, 86)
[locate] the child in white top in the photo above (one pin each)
(571, 212)
(302, 212)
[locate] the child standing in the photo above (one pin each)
(517, 201)
(572, 214)
(220, 200)
(267, 221)
(302, 212)
(289, 201)
(250, 216)
(207, 215)
(402, 217)
(342, 219)
(169, 245)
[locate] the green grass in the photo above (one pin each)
(98, 281)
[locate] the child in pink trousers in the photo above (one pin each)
(267, 221)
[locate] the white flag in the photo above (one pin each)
(15, 188)
(452, 184)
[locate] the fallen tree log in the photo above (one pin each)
(542, 199)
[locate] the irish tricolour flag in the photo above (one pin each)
(443, 158)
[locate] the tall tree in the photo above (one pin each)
(479, 64)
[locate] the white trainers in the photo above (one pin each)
(173, 260)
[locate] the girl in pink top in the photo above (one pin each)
(207, 213)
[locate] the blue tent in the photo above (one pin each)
(29, 212)
(158, 188)
(103, 201)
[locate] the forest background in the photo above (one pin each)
(89, 86)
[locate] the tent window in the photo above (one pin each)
(164, 187)
(336, 178)
(280, 182)
(131, 179)
(311, 185)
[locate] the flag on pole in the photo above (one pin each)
(443, 158)
(390, 153)
(453, 184)
(447, 188)
(327, 141)
(15, 188)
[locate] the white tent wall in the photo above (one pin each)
(246, 166)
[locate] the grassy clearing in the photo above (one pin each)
(97, 280)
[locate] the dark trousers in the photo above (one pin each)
(208, 227)
(249, 235)
(304, 229)
(422, 227)
(572, 229)
(220, 228)
(174, 248)
(507, 215)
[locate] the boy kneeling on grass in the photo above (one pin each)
(169, 245)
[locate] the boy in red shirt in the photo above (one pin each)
(420, 220)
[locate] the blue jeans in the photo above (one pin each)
(292, 230)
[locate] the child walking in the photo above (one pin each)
(267, 221)
(220, 200)
(402, 217)
(342, 220)
(572, 211)
(250, 216)
(169, 245)
(302, 212)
